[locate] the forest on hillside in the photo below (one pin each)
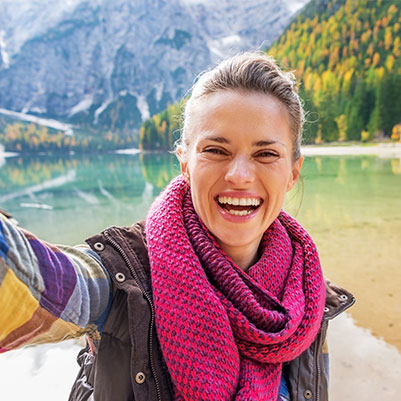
(346, 55)
(347, 60)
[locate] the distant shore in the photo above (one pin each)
(388, 149)
(379, 149)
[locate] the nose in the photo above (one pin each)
(240, 171)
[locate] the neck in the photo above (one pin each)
(244, 256)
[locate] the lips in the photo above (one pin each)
(239, 205)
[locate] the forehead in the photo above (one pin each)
(234, 114)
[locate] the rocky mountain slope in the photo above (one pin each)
(113, 64)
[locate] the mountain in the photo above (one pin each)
(347, 56)
(21, 20)
(110, 65)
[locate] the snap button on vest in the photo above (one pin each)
(120, 277)
(308, 394)
(98, 246)
(140, 377)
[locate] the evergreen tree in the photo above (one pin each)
(376, 120)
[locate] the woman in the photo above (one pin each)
(219, 294)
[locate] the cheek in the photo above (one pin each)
(278, 176)
(201, 188)
(277, 184)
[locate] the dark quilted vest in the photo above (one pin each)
(127, 364)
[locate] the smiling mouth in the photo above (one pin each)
(239, 206)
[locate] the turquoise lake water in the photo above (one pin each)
(350, 204)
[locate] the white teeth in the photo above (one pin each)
(239, 201)
(240, 212)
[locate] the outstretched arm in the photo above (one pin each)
(48, 293)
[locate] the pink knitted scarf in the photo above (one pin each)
(225, 333)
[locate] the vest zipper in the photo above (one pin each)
(318, 368)
(148, 298)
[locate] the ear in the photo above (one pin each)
(296, 171)
(183, 163)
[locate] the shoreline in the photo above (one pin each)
(382, 149)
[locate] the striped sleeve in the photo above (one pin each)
(48, 293)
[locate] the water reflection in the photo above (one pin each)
(396, 166)
(110, 175)
(350, 190)
(158, 169)
(82, 194)
(351, 205)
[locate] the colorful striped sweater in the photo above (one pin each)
(48, 293)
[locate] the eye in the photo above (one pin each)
(215, 151)
(267, 156)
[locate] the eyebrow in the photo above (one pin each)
(221, 139)
(267, 143)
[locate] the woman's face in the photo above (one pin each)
(239, 165)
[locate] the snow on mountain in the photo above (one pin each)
(115, 63)
(66, 128)
(21, 20)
